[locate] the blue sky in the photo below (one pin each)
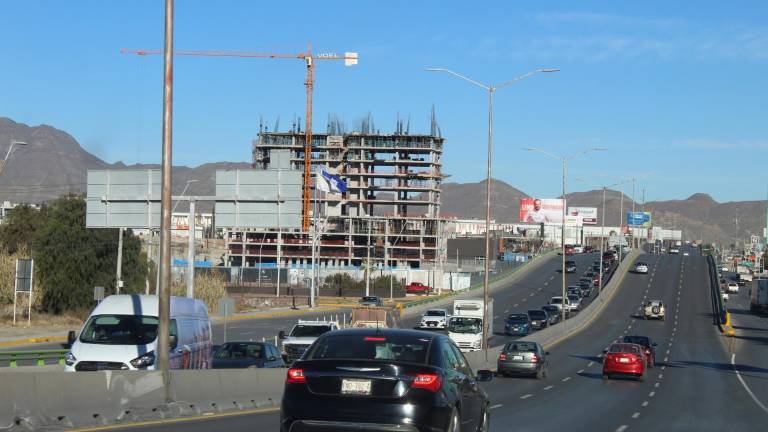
(675, 90)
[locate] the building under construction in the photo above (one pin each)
(388, 216)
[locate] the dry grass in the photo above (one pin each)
(209, 287)
(66, 321)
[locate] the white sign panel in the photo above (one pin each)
(588, 214)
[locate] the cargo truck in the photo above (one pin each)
(466, 324)
(758, 296)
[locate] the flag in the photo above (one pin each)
(330, 183)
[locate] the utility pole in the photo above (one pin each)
(368, 262)
(602, 245)
(191, 250)
(119, 277)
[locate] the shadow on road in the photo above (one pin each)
(750, 328)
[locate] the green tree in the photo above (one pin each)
(18, 231)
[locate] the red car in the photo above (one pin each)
(624, 359)
(418, 288)
(588, 249)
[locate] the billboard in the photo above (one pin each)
(588, 215)
(639, 219)
(535, 210)
(571, 220)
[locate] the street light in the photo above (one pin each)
(491, 89)
(564, 160)
(8, 154)
(183, 191)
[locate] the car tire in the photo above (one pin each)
(606, 376)
(454, 425)
(485, 424)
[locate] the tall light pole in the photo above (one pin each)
(8, 154)
(491, 89)
(183, 191)
(564, 160)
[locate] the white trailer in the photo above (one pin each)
(466, 324)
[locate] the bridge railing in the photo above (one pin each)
(39, 357)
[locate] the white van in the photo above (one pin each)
(121, 334)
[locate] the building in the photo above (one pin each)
(389, 215)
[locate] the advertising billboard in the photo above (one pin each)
(536, 210)
(588, 215)
(642, 219)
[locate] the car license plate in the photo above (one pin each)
(356, 387)
(623, 360)
(517, 357)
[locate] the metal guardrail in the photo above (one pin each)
(719, 312)
(11, 358)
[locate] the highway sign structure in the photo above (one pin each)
(23, 284)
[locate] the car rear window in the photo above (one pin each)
(405, 348)
(518, 319)
(520, 347)
(624, 348)
(537, 314)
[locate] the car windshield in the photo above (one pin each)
(517, 319)
(624, 348)
(573, 297)
(405, 348)
(556, 300)
(369, 299)
(465, 325)
(310, 330)
(236, 351)
(120, 330)
(435, 313)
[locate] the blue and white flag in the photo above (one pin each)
(330, 183)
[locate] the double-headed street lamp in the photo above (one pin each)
(564, 160)
(8, 154)
(491, 89)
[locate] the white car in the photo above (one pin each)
(733, 288)
(653, 309)
(685, 253)
(724, 268)
(558, 303)
(641, 268)
(724, 295)
(434, 319)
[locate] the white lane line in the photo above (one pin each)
(496, 317)
(621, 428)
(663, 367)
(496, 406)
(546, 283)
(516, 305)
(526, 396)
(566, 379)
(549, 387)
(666, 359)
(657, 385)
(661, 376)
(506, 310)
(590, 364)
(636, 415)
(651, 394)
(668, 350)
(523, 300)
(580, 371)
(531, 295)
(645, 404)
(744, 384)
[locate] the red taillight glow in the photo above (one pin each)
(374, 339)
(534, 358)
(295, 376)
(502, 357)
(429, 382)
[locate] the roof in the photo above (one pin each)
(134, 304)
(384, 332)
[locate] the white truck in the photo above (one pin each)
(303, 334)
(466, 324)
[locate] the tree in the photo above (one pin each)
(18, 230)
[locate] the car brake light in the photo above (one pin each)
(534, 358)
(429, 382)
(295, 376)
(502, 356)
(374, 339)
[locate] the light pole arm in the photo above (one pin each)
(458, 75)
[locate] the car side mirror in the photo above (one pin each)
(71, 337)
(281, 334)
(484, 375)
(653, 344)
(546, 353)
(605, 351)
(173, 341)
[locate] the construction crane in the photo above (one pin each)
(309, 58)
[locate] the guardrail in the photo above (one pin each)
(720, 315)
(11, 358)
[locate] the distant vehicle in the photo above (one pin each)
(724, 268)
(557, 301)
(517, 325)
(674, 250)
(577, 248)
(465, 327)
(418, 288)
(411, 381)
(527, 358)
(574, 302)
(232, 355)
(641, 267)
(685, 253)
(574, 290)
(434, 319)
(570, 266)
(588, 249)
(732, 287)
(302, 335)
(553, 313)
(653, 309)
(539, 318)
(586, 288)
(624, 359)
(758, 296)
(374, 317)
(121, 334)
(649, 347)
(371, 301)
(609, 256)
(724, 295)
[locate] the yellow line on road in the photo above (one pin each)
(179, 420)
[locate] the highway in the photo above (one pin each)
(694, 385)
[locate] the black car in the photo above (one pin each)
(384, 380)
(517, 325)
(570, 266)
(648, 345)
(539, 318)
(586, 287)
(371, 301)
(233, 355)
(553, 312)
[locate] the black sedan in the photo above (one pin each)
(384, 380)
(233, 355)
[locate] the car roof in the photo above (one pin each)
(637, 340)
(147, 305)
(535, 310)
(384, 332)
(517, 315)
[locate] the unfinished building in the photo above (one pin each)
(389, 216)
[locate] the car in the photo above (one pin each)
(557, 302)
(384, 380)
(685, 253)
(724, 268)
(649, 347)
(234, 355)
(553, 313)
(570, 266)
(517, 325)
(302, 336)
(732, 287)
(674, 250)
(434, 319)
(641, 267)
(577, 248)
(528, 358)
(588, 249)
(653, 309)
(539, 318)
(574, 302)
(371, 301)
(609, 256)
(624, 359)
(586, 288)
(724, 295)
(574, 290)
(418, 288)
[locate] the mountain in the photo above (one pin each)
(467, 200)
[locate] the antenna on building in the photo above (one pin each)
(408, 126)
(261, 124)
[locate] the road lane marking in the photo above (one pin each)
(645, 404)
(744, 384)
(663, 367)
(651, 394)
(580, 371)
(549, 387)
(621, 428)
(526, 396)
(657, 385)
(496, 317)
(531, 295)
(566, 379)
(666, 358)
(516, 305)
(635, 415)
(496, 406)
(506, 310)
(206, 416)
(590, 364)
(661, 376)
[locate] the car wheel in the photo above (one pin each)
(606, 376)
(455, 423)
(485, 426)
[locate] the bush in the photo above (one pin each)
(209, 287)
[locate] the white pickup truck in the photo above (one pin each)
(303, 334)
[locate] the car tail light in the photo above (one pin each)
(502, 356)
(534, 358)
(429, 382)
(295, 376)
(374, 339)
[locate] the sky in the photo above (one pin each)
(675, 91)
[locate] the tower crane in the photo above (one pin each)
(309, 58)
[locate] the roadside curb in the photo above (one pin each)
(32, 341)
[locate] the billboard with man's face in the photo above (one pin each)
(536, 210)
(588, 215)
